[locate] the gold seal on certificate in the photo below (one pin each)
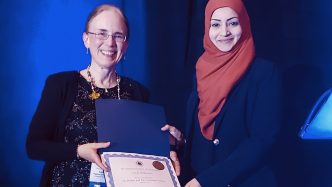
(139, 170)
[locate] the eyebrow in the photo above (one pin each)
(226, 20)
(104, 30)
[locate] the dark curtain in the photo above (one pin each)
(174, 43)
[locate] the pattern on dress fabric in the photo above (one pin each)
(81, 128)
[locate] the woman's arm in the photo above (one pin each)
(41, 141)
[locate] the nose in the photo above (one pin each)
(110, 41)
(224, 30)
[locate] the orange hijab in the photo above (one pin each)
(216, 71)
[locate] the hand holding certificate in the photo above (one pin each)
(134, 130)
(130, 169)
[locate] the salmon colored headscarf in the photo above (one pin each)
(217, 72)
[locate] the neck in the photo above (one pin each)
(103, 77)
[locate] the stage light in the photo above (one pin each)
(319, 122)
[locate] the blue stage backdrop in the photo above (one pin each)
(41, 37)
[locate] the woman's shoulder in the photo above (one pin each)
(263, 64)
(63, 77)
(135, 86)
(264, 69)
(130, 82)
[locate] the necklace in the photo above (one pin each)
(95, 94)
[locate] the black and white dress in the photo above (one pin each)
(81, 128)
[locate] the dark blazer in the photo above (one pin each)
(45, 139)
(245, 130)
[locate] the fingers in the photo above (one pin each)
(173, 131)
(88, 151)
(97, 160)
(177, 168)
(101, 145)
(193, 183)
(165, 127)
(173, 155)
(175, 162)
(170, 128)
(188, 184)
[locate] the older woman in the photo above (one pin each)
(63, 129)
(232, 117)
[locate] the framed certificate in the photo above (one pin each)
(139, 170)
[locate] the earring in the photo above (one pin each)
(87, 50)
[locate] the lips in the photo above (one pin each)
(226, 40)
(108, 52)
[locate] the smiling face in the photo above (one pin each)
(225, 29)
(106, 53)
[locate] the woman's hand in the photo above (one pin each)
(175, 162)
(193, 183)
(175, 138)
(88, 152)
(174, 132)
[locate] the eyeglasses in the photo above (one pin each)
(104, 36)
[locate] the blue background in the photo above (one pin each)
(43, 37)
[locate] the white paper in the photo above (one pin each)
(96, 174)
(139, 170)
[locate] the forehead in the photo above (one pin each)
(224, 13)
(109, 20)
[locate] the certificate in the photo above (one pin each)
(139, 170)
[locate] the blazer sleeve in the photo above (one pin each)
(41, 141)
(263, 126)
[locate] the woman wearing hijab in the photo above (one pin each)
(232, 117)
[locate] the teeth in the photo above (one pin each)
(107, 52)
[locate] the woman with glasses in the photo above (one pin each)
(63, 129)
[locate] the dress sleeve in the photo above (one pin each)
(263, 126)
(41, 141)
